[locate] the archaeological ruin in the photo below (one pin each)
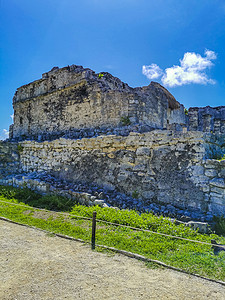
(91, 137)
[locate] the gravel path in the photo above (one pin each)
(35, 265)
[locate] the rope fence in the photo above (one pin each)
(94, 220)
(216, 247)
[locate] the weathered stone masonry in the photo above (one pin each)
(128, 149)
(207, 119)
(73, 98)
(160, 166)
(9, 159)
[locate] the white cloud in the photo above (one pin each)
(210, 54)
(5, 134)
(152, 72)
(192, 69)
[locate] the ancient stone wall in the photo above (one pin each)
(123, 151)
(159, 166)
(9, 159)
(73, 98)
(214, 170)
(207, 119)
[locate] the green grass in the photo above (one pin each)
(192, 257)
(27, 196)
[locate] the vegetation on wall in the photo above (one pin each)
(125, 121)
(215, 147)
(100, 75)
(20, 148)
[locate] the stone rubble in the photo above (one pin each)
(92, 195)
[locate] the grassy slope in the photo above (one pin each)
(192, 257)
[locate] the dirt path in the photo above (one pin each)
(34, 265)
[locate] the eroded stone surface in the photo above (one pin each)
(71, 99)
(207, 119)
(115, 142)
(162, 167)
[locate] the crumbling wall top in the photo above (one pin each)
(61, 78)
(67, 100)
(208, 119)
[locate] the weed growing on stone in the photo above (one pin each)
(20, 148)
(215, 147)
(135, 194)
(223, 158)
(125, 121)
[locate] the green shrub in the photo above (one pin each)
(55, 202)
(215, 147)
(223, 158)
(27, 196)
(219, 225)
(20, 148)
(125, 121)
(20, 194)
(135, 194)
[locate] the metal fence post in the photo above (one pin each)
(93, 230)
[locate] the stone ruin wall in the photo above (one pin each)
(9, 159)
(159, 167)
(207, 119)
(76, 99)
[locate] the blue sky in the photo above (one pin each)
(179, 43)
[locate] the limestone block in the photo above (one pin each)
(148, 194)
(42, 188)
(150, 171)
(163, 196)
(206, 197)
(143, 151)
(217, 200)
(205, 187)
(99, 202)
(216, 193)
(199, 180)
(222, 163)
(212, 163)
(111, 155)
(197, 170)
(201, 226)
(122, 176)
(218, 182)
(141, 174)
(86, 196)
(180, 147)
(140, 167)
(211, 173)
(222, 173)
